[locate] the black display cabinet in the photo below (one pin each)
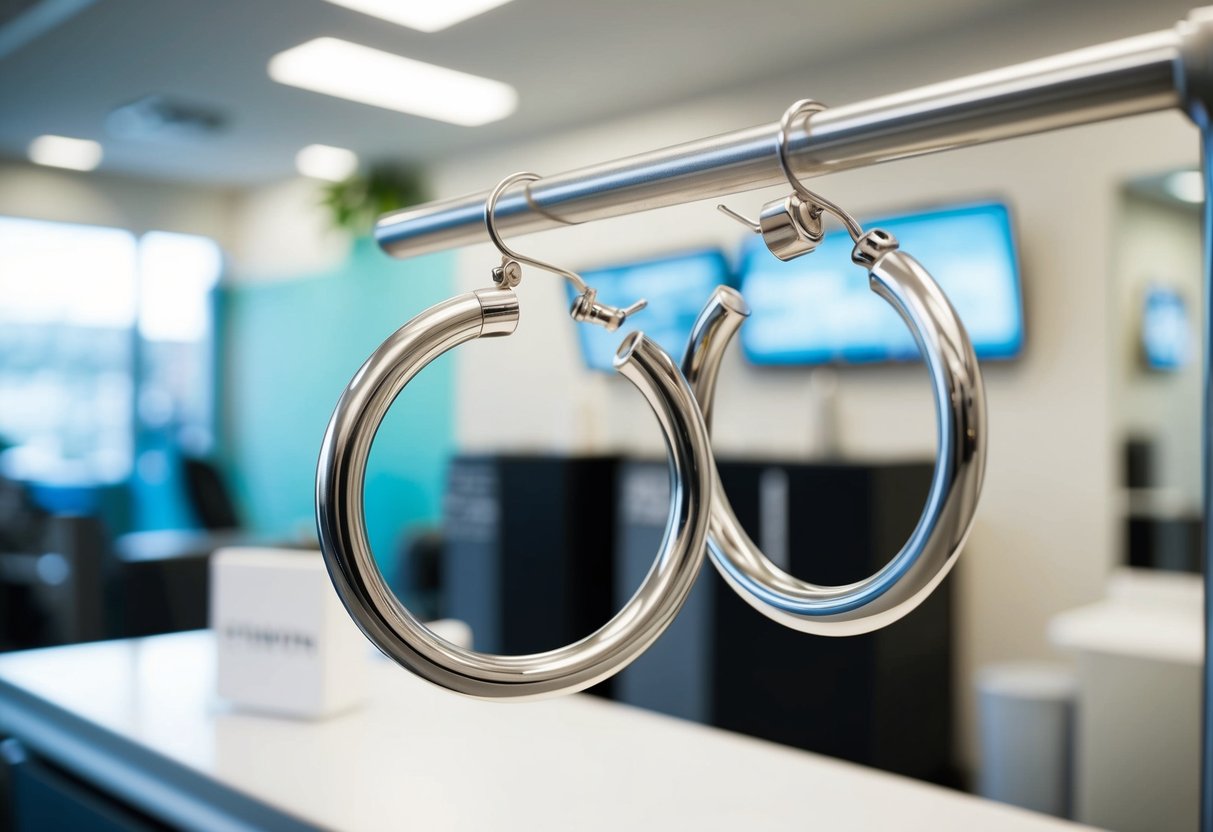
(882, 699)
(529, 547)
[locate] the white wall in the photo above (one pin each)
(272, 232)
(282, 231)
(1045, 536)
(118, 201)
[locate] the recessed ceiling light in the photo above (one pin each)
(1186, 185)
(359, 73)
(62, 152)
(321, 161)
(422, 15)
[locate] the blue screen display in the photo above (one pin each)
(1166, 333)
(819, 308)
(676, 289)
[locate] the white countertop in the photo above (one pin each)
(421, 758)
(1146, 615)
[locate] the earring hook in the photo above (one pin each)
(807, 107)
(507, 253)
(814, 203)
(586, 306)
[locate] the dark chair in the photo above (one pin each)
(419, 573)
(53, 593)
(208, 495)
(22, 521)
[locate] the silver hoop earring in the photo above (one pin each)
(342, 468)
(959, 395)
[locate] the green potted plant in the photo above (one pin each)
(357, 202)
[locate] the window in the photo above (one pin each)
(67, 304)
(81, 308)
(177, 276)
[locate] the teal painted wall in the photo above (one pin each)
(289, 347)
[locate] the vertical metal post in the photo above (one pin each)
(1194, 82)
(1206, 749)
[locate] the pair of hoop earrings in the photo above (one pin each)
(700, 517)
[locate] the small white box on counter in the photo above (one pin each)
(284, 642)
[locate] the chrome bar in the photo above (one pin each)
(1122, 78)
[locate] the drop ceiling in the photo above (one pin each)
(571, 62)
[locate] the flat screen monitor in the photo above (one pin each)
(676, 288)
(1166, 332)
(819, 308)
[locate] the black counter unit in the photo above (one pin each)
(529, 543)
(882, 699)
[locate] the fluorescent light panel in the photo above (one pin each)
(62, 152)
(422, 15)
(358, 73)
(322, 161)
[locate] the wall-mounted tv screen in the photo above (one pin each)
(1166, 332)
(820, 309)
(676, 288)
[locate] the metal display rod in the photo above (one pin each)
(1122, 78)
(1159, 71)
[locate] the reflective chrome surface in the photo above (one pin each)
(929, 554)
(586, 308)
(1122, 78)
(792, 226)
(1206, 745)
(405, 639)
(1196, 82)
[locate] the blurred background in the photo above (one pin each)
(188, 281)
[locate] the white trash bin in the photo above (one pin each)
(1025, 714)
